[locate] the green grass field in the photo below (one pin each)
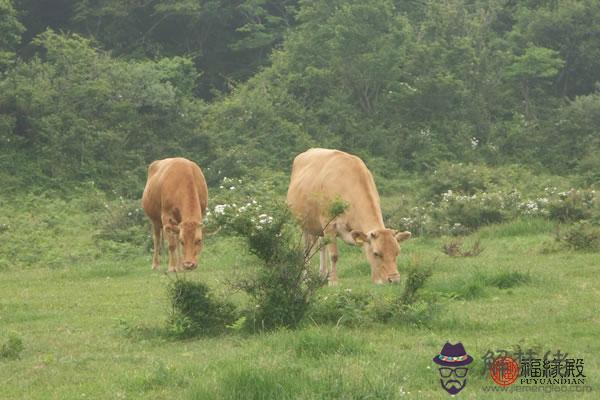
(92, 321)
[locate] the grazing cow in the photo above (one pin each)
(320, 176)
(175, 200)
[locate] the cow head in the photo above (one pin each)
(190, 238)
(382, 249)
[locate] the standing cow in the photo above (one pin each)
(320, 176)
(175, 200)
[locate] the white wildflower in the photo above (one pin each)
(265, 219)
(220, 209)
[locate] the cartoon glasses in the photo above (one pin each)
(446, 372)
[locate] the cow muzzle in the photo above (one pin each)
(394, 278)
(190, 265)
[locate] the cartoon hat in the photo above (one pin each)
(453, 355)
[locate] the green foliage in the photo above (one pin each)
(10, 33)
(12, 348)
(83, 115)
(572, 205)
(347, 308)
(41, 230)
(358, 308)
(415, 280)
(464, 178)
(476, 210)
(194, 310)
(583, 235)
(415, 86)
(123, 221)
(535, 63)
(337, 208)
(284, 286)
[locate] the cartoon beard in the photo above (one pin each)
(453, 386)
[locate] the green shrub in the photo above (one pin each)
(284, 286)
(463, 178)
(476, 210)
(583, 235)
(572, 205)
(123, 221)
(356, 308)
(194, 311)
(347, 308)
(415, 280)
(12, 349)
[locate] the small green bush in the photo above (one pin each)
(285, 285)
(572, 205)
(415, 281)
(195, 311)
(123, 221)
(356, 308)
(583, 235)
(346, 308)
(464, 178)
(12, 349)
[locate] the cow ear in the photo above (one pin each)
(402, 236)
(359, 237)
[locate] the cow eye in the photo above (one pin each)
(198, 242)
(377, 254)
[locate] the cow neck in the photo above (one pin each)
(368, 217)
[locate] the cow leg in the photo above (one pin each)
(157, 239)
(333, 254)
(323, 267)
(309, 242)
(173, 259)
(179, 256)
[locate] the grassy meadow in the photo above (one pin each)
(91, 317)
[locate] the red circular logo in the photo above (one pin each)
(504, 371)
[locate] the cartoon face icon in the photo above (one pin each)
(452, 362)
(453, 379)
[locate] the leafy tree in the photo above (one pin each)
(228, 41)
(81, 115)
(535, 65)
(571, 28)
(10, 33)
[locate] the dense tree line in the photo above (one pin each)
(93, 90)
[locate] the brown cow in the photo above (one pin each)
(320, 176)
(175, 199)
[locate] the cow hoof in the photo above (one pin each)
(172, 269)
(333, 283)
(155, 267)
